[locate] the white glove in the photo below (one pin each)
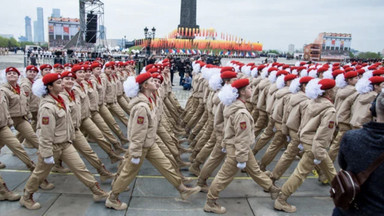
(317, 162)
(135, 160)
(49, 160)
(241, 165)
(301, 147)
(224, 150)
(274, 130)
(288, 139)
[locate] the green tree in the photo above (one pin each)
(369, 55)
(3, 42)
(12, 42)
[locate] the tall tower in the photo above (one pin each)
(28, 28)
(188, 14)
(55, 13)
(40, 25)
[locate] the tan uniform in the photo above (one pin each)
(290, 125)
(263, 118)
(200, 109)
(194, 104)
(111, 99)
(279, 140)
(254, 98)
(142, 136)
(343, 103)
(56, 131)
(315, 133)
(360, 109)
(7, 137)
(104, 111)
(238, 137)
(119, 79)
(18, 110)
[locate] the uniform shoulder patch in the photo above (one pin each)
(331, 124)
(45, 120)
(243, 125)
(140, 120)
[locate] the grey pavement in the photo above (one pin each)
(151, 194)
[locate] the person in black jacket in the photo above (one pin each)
(358, 150)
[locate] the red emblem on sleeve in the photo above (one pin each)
(243, 125)
(45, 120)
(331, 124)
(140, 120)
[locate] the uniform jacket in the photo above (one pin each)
(360, 109)
(54, 126)
(282, 97)
(318, 125)
(255, 90)
(17, 103)
(84, 100)
(74, 108)
(119, 84)
(238, 130)
(33, 100)
(100, 87)
(270, 98)
(93, 95)
(141, 125)
(5, 118)
(343, 113)
(342, 94)
(294, 112)
(110, 89)
(263, 91)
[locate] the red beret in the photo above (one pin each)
(77, 68)
(376, 79)
(289, 77)
(378, 72)
(9, 69)
(337, 72)
(157, 76)
(372, 67)
(68, 65)
(302, 63)
(166, 60)
(149, 67)
(360, 71)
(305, 79)
(202, 64)
(240, 83)
(281, 72)
(260, 67)
(322, 69)
(348, 69)
(154, 70)
(335, 68)
(143, 77)
(110, 64)
(58, 66)
(68, 74)
(95, 65)
(272, 69)
(251, 64)
(42, 67)
(336, 64)
(358, 67)
(327, 84)
(350, 74)
(286, 66)
(223, 69)
(32, 68)
(228, 75)
(50, 78)
(364, 64)
(301, 68)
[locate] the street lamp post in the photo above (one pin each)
(149, 36)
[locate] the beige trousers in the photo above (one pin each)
(261, 123)
(26, 131)
(117, 111)
(335, 145)
(265, 137)
(100, 123)
(111, 122)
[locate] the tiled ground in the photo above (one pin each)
(151, 194)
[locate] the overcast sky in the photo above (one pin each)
(275, 23)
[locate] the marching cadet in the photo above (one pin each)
(368, 90)
(87, 125)
(343, 103)
(93, 96)
(45, 69)
(292, 117)
(17, 105)
(111, 97)
(103, 110)
(238, 136)
(119, 79)
(279, 140)
(72, 100)
(142, 135)
(33, 101)
(315, 134)
(55, 131)
(58, 68)
(256, 72)
(68, 66)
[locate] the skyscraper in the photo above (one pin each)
(55, 13)
(103, 30)
(40, 25)
(28, 28)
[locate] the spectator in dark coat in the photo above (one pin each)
(358, 149)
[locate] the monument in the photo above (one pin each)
(188, 14)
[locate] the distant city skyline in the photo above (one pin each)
(55, 13)
(39, 31)
(28, 28)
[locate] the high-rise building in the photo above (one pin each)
(35, 32)
(291, 48)
(40, 25)
(103, 31)
(28, 28)
(55, 13)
